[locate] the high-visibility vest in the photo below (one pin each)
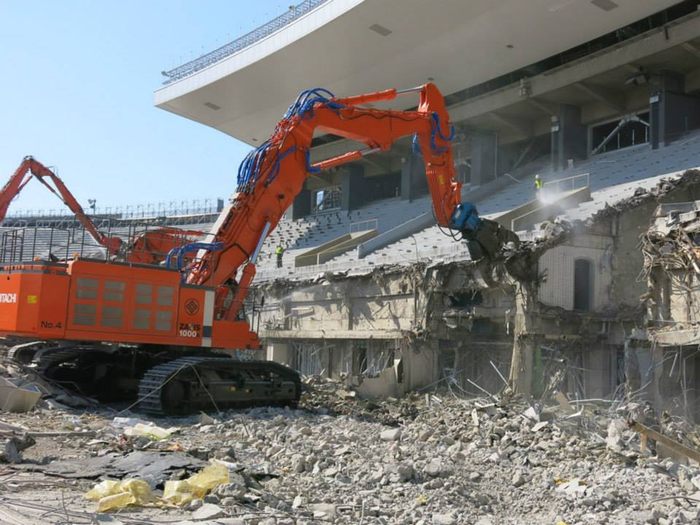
(279, 250)
(538, 184)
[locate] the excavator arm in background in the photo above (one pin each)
(272, 175)
(150, 247)
(153, 246)
(30, 167)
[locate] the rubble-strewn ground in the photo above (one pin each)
(431, 459)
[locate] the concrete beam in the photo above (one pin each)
(605, 96)
(691, 48)
(522, 126)
(627, 52)
(686, 337)
(632, 68)
(376, 162)
(545, 107)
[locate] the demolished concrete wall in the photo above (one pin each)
(667, 348)
(558, 266)
(407, 319)
(580, 344)
(466, 324)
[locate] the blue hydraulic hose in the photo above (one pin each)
(436, 130)
(249, 171)
(180, 252)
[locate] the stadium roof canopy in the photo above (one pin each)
(356, 46)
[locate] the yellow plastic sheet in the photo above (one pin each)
(196, 486)
(112, 495)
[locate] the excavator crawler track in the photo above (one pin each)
(162, 381)
(24, 353)
(190, 384)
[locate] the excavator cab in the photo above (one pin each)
(485, 238)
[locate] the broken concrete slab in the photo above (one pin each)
(153, 467)
(445, 519)
(208, 511)
(17, 395)
(11, 448)
(393, 434)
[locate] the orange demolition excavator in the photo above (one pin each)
(124, 330)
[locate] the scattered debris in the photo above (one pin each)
(12, 447)
(17, 396)
(423, 459)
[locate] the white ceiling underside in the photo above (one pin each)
(458, 43)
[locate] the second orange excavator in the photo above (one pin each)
(149, 247)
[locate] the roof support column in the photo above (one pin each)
(413, 181)
(569, 137)
(301, 207)
(354, 187)
(484, 155)
(671, 112)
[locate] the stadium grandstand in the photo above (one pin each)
(28, 234)
(570, 100)
(604, 94)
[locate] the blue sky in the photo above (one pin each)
(77, 93)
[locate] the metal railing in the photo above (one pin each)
(558, 186)
(28, 244)
(130, 211)
(362, 226)
(67, 241)
(295, 12)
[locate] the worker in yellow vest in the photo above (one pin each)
(538, 186)
(279, 251)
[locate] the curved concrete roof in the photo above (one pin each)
(356, 46)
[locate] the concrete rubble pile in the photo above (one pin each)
(671, 243)
(553, 233)
(430, 458)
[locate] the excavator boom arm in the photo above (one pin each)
(274, 174)
(30, 167)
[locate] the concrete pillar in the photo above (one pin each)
(301, 207)
(413, 181)
(655, 135)
(484, 156)
(524, 341)
(353, 187)
(569, 137)
(599, 363)
(671, 112)
(420, 364)
(657, 359)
